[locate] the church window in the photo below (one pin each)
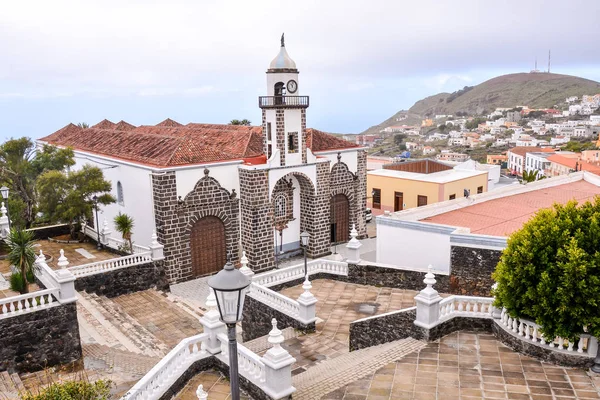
(292, 142)
(268, 131)
(280, 206)
(120, 194)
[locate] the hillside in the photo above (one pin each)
(534, 90)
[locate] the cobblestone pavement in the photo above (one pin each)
(470, 366)
(196, 290)
(215, 384)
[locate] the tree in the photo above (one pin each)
(399, 138)
(531, 176)
(240, 122)
(68, 197)
(22, 256)
(20, 166)
(550, 271)
(124, 225)
(83, 125)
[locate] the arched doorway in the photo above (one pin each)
(340, 218)
(208, 247)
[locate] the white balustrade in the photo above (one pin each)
(29, 302)
(111, 265)
(465, 306)
(250, 365)
(531, 331)
(294, 272)
(160, 378)
(275, 300)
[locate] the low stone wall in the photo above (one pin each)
(376, 275)
(471, 270)
(535, 350)
(36, 340)
(456, 324)
(125, 280)
(380, 329)
(44, 232)
(257, 318)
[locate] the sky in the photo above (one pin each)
(204, 61)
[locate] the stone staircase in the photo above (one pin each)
(10, 386)
(338, 372)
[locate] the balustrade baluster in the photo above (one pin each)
(561, 343)
(571, 344)
(580, 345)
(534, 335)
(521, 328)
(4, 309)
(515, 325)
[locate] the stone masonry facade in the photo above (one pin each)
(471, 270)
(175, 218)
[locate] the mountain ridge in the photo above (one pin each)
(535, 90)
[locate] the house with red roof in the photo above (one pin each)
(210, 191)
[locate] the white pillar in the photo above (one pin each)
(496, 312)
(278, 367)
(156, 248)
(212, 325)
(245, 269)
(353, 247)
(105, 233)
(3, 222)
(307, 303)
(428, 303)
(62, 260)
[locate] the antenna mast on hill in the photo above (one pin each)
(548, 61)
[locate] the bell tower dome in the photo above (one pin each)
(284, 111)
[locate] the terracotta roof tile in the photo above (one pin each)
(503, 216)
(171, 144)
(105, 124)
(573, 162)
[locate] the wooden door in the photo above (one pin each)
(207, 243)
(340, 218)
(398, 201)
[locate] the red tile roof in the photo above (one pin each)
(171, 144)
(503, 216)
(522, 150)
(572, 163)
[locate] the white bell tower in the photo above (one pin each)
(284, 112)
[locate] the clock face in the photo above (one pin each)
(292, 86)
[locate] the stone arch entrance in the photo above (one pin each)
(340, 218)
(208, 246)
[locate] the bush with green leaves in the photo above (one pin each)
(73, 390)
(550, 271)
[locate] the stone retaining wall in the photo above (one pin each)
(382, 329)
(257, 318)
(540, 352)
(375, 275)
(37, 340)
(471, 270)
(44, 232)
(125, 280)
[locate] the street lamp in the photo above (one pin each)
(95, 201)
(230, 286)
(4, 192)
(304, 238)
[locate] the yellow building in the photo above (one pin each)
(496, 159)
(427, 123)
(417, 183)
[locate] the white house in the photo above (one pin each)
(537, 162)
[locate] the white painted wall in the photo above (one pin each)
(137, 195)
(226, 174)
(293, 123)
(412, 248)
(291, 235)
(349, 157)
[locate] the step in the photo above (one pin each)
(17, 382)
(144, 339)
(103, 326)
(8, 390)
(190, 306)
(338, 372)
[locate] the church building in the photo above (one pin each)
(211, 191)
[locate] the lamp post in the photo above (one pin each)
(230, 287)
(304, 239)
(4, 192)
(95, 201)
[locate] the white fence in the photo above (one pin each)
(250, 365)
(465, 306)
(275, 300)
(113, 243)
(111, 264)
(16, 305)
(530, 331)
(288, 274)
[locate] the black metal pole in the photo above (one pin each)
(99, 246)
(234, 378)
(305, 266)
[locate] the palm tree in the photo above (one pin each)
(240, 122)
(124, 224)
(83, 125)
(531, 176)
(22, 254)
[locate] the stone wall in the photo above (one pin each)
(382, 329)
(175, 218)
(40, 339)
(257, 318)
(125, 280)
(344, 182)
(471, 270)
(44, 232)
(540, 352)
(375, 275)
(456, 324)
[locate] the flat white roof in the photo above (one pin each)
(450, 175)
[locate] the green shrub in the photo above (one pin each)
(550, 271)
(16, 282)
(73, 390)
